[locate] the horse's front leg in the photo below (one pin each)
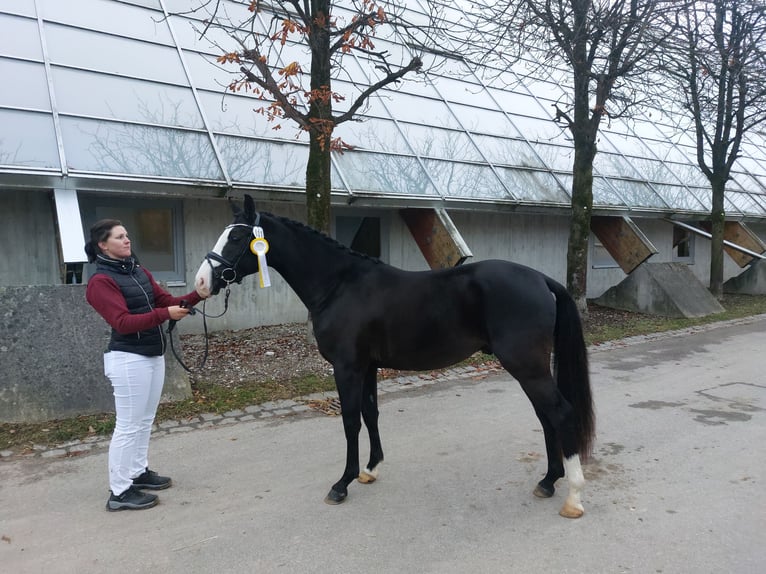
(349, 385)
(370, 417)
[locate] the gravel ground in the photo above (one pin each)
(274, 352)
(284, 352)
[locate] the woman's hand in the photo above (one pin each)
(177, 312)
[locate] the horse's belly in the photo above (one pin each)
(425, 357)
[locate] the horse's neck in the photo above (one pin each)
(312, 265)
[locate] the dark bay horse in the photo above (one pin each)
(367, 315)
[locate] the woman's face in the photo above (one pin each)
(117, 245)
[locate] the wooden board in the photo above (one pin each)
(436, 236)
(624, 241)
(739, 234)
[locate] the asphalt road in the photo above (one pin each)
(676, 483)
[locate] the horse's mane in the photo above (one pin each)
(302, 227)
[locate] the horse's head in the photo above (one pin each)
(232, 257)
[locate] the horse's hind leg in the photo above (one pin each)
(556, 415)
(546, 487)
(370, 418)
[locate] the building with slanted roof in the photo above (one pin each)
(117, 108)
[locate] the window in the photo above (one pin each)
(362, 233)
(155, 230)
(683, 245)
(599, 256)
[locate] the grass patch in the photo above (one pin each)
(628, 324)
(601, 326)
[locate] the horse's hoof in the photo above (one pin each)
(571, 511)
(366, 478)
(334, 497)
(543, 491)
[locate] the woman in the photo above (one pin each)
(126, 295)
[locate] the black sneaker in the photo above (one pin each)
(152, 481)
(131, 499)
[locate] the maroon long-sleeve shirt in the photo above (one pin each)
(105, 296)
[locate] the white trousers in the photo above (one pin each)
(137, 382)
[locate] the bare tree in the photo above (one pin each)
(261, 49)
(717, 65)
(598, 50)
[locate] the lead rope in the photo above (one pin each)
(193, 311)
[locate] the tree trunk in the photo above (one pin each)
(717, 221)
(579, 229)
(318, 185)
(318, 172)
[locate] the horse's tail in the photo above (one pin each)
(571, 366)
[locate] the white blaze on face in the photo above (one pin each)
(203, 281)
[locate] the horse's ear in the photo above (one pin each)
(249, 209)
(234, 207)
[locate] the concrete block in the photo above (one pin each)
(752, 281)
(51, 348)
(667, 289)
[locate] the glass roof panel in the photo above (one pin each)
(21, 7)
(28, 140)
(745, 203)
(542, 130)
(383, 173)
(88, 93)
(114, 147)
(145, 3)
(412, 109)
(678, 197)
(206, 74)
(455, 179)
(556, 157)
(516, 102)
(216, 40)
(665, 150)
(547, 92)
(440, 143)
(688, 174)
(534, 186)
(102, 52)
(746, 163)
(31, 76)
(704, 196)
(613, 164)
(24, 41)
(463, 92)
(374, 134)
(241, 115)
(603, 193)
(635, 193)
(397, 56)
(264, 162)
(483, 121)
(626, 144)
(747, 182)
(110, 17)
(506, 151)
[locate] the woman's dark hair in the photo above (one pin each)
(99, 232)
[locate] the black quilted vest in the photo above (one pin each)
(139, 296)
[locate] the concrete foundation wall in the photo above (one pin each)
(51, 350)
